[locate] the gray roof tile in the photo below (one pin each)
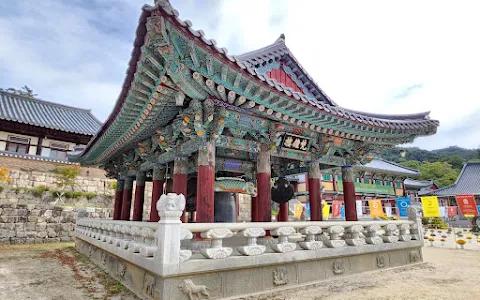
(468, 182)
(45, 114)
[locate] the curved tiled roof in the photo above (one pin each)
(386, 166)
(468, 182)
(45, 114)
(414, 121)
(418, 183)
(163, 7)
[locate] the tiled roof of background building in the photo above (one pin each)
(45, 114)
(382, 165)
(468, 182)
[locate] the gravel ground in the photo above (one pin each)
(447, 274)
(57, 271)
(54, 271)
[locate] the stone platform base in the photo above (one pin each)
(231, 282)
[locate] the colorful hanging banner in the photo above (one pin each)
(478, 209)
(298, 210)
(307, 209)
(342, 211)
(452, 211)
(402, 204)
(430, 206)
(359, 205)
(375, 208)
(443, 211)
(388, 210)
(467, 205)
(336, 208)
(326, 211)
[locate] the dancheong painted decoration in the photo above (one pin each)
(189, 112)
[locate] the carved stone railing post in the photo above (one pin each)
(283, 244)
(127, 237)
(137, 239)
(352, 236)
(404, 229)
(388, 236)
(310, 242)
(415, 228)
(335, 241)
(117, 228)
(252, 248)
(170, 208)
(185, 254)
(150, 247)
(371, 236)
(217, 250)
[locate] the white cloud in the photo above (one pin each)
(362, 53)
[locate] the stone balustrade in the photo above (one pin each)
(158, 244)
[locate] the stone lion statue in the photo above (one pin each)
(171, 202)
(193, 291)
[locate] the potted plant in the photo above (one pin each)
(478, 240)
(431, 240)
(461, 243)
(444, 236)
(425, 237)
(469, 238)
(443, 241)
(432, 234)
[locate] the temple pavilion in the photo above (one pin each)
(195, 120)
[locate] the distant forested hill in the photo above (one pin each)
(422, 155)
(442, 165)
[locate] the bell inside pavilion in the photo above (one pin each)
(199, 122)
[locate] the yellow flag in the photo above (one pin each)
(430, 206)
(326, 211)
(298, 210)
(376, 209)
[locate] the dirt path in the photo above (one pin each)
(57, 271)
(448, 274)
(54, 271)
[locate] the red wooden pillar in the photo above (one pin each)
(180, 180)
(158, 179)
(283, 212)
(117, 208)
(139, 197)
(205, 183)
(314, 191)
(127, 199)
(264, 193)
(349, 193)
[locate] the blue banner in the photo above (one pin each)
(402, 204)
(307, 208)
(342, 211)
(478, 208)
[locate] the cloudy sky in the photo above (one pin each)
(376, 56)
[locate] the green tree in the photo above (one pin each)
(441, 172)
(455, 161)
(66, 178)
(412, 164)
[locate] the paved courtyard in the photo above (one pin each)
(57, 271)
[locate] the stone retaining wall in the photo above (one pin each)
(34, 223)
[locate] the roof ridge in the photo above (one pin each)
(398, 165)
(33, 99)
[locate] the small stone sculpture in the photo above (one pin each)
(192, 290)
(338, 267)
(170, 206)
(280, 276)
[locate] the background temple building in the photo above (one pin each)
(36, 129)
(468, 183)
(217, 124)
